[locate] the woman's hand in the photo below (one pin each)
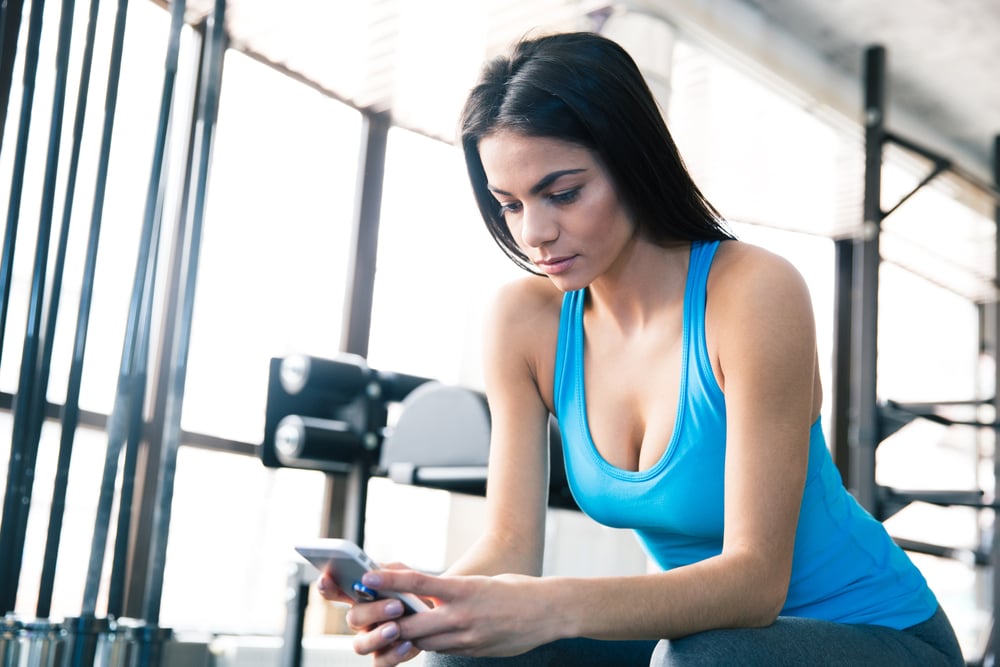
(373, 622)
(472, 615)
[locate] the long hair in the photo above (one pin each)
(585, 89)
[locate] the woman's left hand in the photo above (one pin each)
(474, 615)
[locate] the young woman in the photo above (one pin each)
(681, 365)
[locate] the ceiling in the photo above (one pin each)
(417, 60)
(943, 58)
(943, 55)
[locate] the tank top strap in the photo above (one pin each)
(569, 343)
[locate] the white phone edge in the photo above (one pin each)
(320, 552)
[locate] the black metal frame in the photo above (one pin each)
(870, 421)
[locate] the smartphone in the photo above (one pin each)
(347, 564)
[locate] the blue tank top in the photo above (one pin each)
(845, 566)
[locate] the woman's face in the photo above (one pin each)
(559, 204)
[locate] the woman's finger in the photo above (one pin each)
(329, 590)
(364, 616)
(399, 652)
(378, 639)
(410, 581)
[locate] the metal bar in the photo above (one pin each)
(135, 419)
(37, 352)
(71, 414)
(296, 600)
(208, 113)
(965, 555)
(863, 433)
(939, 168)
(38, 408)
(148, 469)
(358, 305)
(993, 191)
(116, 590)
(10, 25)
(17, 176)
(117, 422)
(364, 243)
(842, 318)
(990, 652)
(914, 147)
(99, 421)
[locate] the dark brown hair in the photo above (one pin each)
(586, 89)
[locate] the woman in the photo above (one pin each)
(681, 365)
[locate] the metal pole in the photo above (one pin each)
(148, 470)
(24, 449)
(120, 412)
(10, 551)
(10, 25)
(208, 112)
(843, 328)
(368, 204)
(71, 409)
(17, 185)
(863, 433)
(991, 651)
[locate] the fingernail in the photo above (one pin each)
(321, 584)
(390, 631)
(372, 580)
(394, 608)
(404, 648)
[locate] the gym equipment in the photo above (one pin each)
(328, 414)
(441, 440)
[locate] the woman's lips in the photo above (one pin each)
(556, 265)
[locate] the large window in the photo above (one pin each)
(271, 283)
(277, 231)
(437, 265)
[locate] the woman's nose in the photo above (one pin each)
(538, 227)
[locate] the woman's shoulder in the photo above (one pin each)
(529, 300)
(742, 269)
(524, 329)
(750, 282)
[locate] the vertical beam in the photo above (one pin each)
(991, 651)
(150, 451)
(864, 431)
(843, 327)
(20, 471)
(347, 495)
(124, 397)
(211, 81)
(10, 25)
(17, 177)
(364, 242)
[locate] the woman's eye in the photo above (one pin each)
(512, 207)
(566, 196)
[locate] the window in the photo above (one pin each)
(437, 265)
(277, 230)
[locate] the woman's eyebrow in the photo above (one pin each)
(543, 183)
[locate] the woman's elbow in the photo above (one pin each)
(768, 601)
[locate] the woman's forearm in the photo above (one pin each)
(721, 592)
(492, 555)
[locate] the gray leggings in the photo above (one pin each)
(789, 642)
